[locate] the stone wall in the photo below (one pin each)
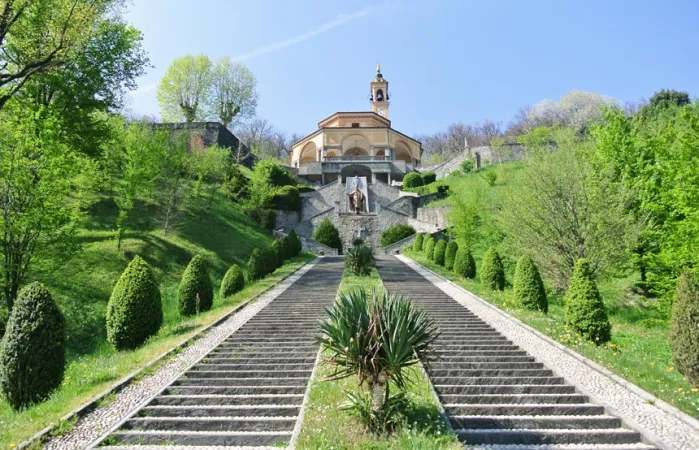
(286, 220)
(316, 247)
(437, 216)
(484, 155)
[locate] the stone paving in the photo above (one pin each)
(271, 314)
(605, 395)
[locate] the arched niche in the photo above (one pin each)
(308, 154)
(355, 145)
(332, 153)
(403, 153)
(355, 170)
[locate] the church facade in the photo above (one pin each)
(349, 144)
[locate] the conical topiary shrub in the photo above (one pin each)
(440, 248)
(450, 255)
(529, 287)
(492, 270)
(270, 259)
(32, 352)
(684, 328)
(195, 293)
(233, 281)
(417, 243)
(295, 242)
(429, 248)
(278, 252)
(464, 264)
(425, 240)
(327, 234)
(584, 309)
(135, 309)
(256, 265)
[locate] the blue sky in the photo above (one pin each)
(446, 61)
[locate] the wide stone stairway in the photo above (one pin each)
(247, 391)
(495, 395)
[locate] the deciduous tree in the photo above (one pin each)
(184, 90)
(233, 91)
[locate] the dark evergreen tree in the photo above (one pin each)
(492, 270)
(440, 249)
(412, 180)
(429, 248)
(529, 287)
(195, 293)
(233, 281)
(584, 309)
(464, 264)
(278, 253)
(684, 328)
(327, 234)
(256, 265)
(450, 255)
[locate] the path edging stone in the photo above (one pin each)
(649, 398)
(91, 405)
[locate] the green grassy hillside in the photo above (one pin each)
(82, 285)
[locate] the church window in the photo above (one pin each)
(355, 124)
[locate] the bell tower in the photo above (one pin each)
(379, 94)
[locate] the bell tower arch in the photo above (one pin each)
(378, 95)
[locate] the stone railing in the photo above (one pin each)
(356, 158)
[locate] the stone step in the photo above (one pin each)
(249, 373)
(636, 446)
(523, 399)
(523, 410)
(551, 436)
(481, 353)
(535, 422)
(473, 348)
(474, 381)
(183, 389)
(233, 381)
(221, 411)
(450, 365)
(441, 373)
(509, 389)
(244, 359)
(253, 367)
(211, 424)
(226, 400)
(484, 359)
(211, 438)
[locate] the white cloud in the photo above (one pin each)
(339, 20)
(145, 89)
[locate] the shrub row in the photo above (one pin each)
(415, 180)
(395, 233)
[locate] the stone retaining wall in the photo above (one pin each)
(437, 216)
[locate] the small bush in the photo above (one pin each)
(584, 309)
(135, 309)
(429, 178)
(267, 172)
(233, 281)
(287, 198)
(32, 352)
(467, 166)
(464, 264)
(443, 190)
(266, 218)
(417, 243)
(357, 241)
(529, 288)
(492, 271)
(278, 251)
(684, 332)
(407, 248)
(295, 242)
(412, 180)
(440, 249)
(256, 266)
(269, 258)
(490, 177)
(450, 255)
(429, 248)
(327, 234)
(195, 293)
(395, 233)
(359, 259)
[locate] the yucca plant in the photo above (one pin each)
(376, 336)
(359, 259)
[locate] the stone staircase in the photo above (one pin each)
(495, 395)
(248, 391)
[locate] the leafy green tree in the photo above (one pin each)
(464, 264)
(135, 310)
(376, 337)
(185, 88)
(412, 180)
(417, 243)
(450, 255)
(429, 248)
(233, 281)
(584, 309)
(528, 286)
(665, 98)
(327, 234)
(172, 189)
(43, 185)
(195, 293)
(684, 334)
(256, 265)
(287, 198)
(32, 352)
(395, 233)
(492, 270)
(233, 91)
(440, 249)
(210, 166)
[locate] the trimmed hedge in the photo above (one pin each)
(684, 332)
(429, 178)
(450, 255)
(278, 251)
(270, 259)
(529, 288)
(464, 264)
(327, 234)
(412, 180)
(429, 248)
(233, 281)
(195, 293)
(135, 309)
(32, 352)
(287, 198)
(395, 233)
(294, 244)
(584, 309)
(256, 266)
(417, 243)
(440, 248)
(492, 270)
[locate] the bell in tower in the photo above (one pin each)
(379, 93)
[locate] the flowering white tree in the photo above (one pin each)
(575, 110)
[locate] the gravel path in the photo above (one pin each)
(102, 420)
(665, 426)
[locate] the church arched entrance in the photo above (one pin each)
(356, 171)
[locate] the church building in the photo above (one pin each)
(349, 144)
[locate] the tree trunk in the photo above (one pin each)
(377, 396)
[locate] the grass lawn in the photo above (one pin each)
(639, 349)
(82, 284)
(326, 426)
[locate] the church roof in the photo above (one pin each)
(352, 114)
